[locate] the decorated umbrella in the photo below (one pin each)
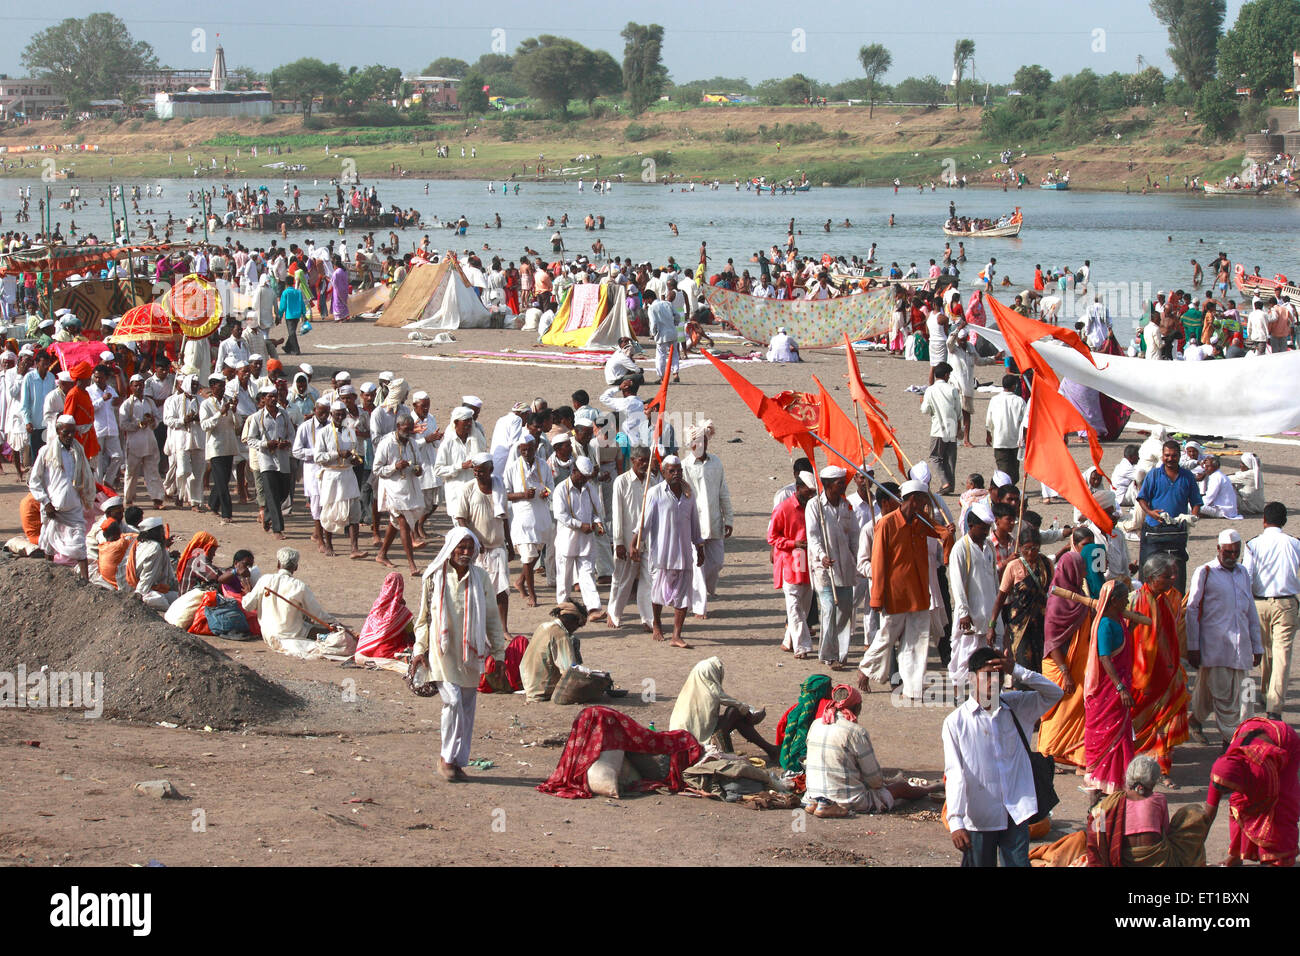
(145, 323)
(193, 303)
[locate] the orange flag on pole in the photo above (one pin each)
(835, 427)
(779, 423)
(882, 433)
(660, 401)
(1021, 332)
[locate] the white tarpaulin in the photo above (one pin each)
(1256, 395)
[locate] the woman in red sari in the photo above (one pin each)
(1259, 772)
(1159, 684)
(1108, 695)
(512, 289)
(389, 627)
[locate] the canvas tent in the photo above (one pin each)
(591, 317)
(435, 296)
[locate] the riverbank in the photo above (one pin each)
(831, 146)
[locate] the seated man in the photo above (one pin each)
(282, 603)
(842, 773)
(782, 348)
(552, 651)
(1217, 491)
(711, 714)
(149, 571)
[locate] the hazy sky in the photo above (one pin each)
(756, 39)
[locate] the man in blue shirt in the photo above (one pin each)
(37, 384)
(1168, 492)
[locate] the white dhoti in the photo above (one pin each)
(189, 465)
(496, 563)
(143, 466)
(705, 581)
(458, 705)
(661, 357)
(627, 573)
(1218, 694)
(912, 632)
(798, 598)
(64, 535)
(671, 588)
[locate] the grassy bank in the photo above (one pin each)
(832, 146)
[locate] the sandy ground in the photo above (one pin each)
(283, 794)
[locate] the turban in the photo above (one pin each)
(473, 401)
(460, 413)
(81, 370)
(843, 699)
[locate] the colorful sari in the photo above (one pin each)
(1260, 770)
(794, 745)
(389, 627)
(1108, 723)
(598, 729)
(1159, 684)
(1183, 843)
(1026, 606)
(1066, 626)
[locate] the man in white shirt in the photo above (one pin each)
(942, 401)
(506, 433)
(782, 348)
(631, 409)
(1219, 498)
(108, 464)
(579, 518)
(936, 327)
(1224, 640)
(708, 484)
(1273, 560)
(663, 329)
(973, 584)
(1124, 477)
(989, 780)
(1257, 327)
(620, 364)
(628, 494)
(279, 600)
(832, 562)
(185, 442)
(1004, 425)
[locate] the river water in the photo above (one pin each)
(1137, 244)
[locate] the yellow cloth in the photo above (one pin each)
(1060, 735)
(701, 700)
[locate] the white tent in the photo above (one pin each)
(435, 296)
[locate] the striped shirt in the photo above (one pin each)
(841, 765)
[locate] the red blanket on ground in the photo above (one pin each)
(598, 729)
(514, 654)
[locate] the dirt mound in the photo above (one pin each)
(151, 670)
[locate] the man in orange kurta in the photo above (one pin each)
(79, 405)
(900, 591)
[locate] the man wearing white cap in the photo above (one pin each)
(233, 349)
(787, 533)
(1004, 426)
(623, 399)
(942, 401)
(579, 519)
(37, 385)
(528, 486)
(452, 462)
(385, 380)
(335, 453)
(782, 348)
(506, 433)
(185, 442)
(54, 404)
(341, 378)
(108, 464)
(628, 494)
(148, 567)
(269, 435)
(901, 592)
(398, 464)
(708, 483)
(427, 436)
(482, 509)
(973, 584)
(1224, 639)
(63, 484)
(137, 417)
(1217, 493)
(218, 419)
(475, 405)
(832, 562)
(662, 319)
(672, 543)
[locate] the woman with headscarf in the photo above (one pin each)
(711, 714)
(456, 630)
(792, 731)
(843, 775)
(1066, 629)
(195, 566)
(1249, 484)
(1159, 684)
(1259, 773)
(389, 627)
(1108, 695)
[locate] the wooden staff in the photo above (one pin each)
(309, 615)
(654, 452)
(1128, 615)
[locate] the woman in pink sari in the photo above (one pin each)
(389, 628)
(1108, 695)
(1259, 773)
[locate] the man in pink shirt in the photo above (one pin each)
(787, 534)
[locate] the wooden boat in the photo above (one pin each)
(1218, 189)
(1060, 185)
(321, 219)
(1253, 285)
(1009, 231)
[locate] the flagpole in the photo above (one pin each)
(871, 506)
(849, 461)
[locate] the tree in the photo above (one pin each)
(926, 90)
(602, 77)
(470, 93)
(447, 66)
(1146, 88)
(1216, 109)
(1081, 93)
(553, 69)
(644, 73)
(244, 77)
(1194, 29)
(962, 53)
(876, 61)
(1033, 81)
(304, 80)
(88, 59)
(1257, 50)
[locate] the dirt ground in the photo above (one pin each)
(350, 778)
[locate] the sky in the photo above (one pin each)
(756, 39)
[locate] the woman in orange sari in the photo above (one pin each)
(1159, 684)
(1259, 773)
(1065, 658)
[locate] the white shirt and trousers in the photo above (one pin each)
(1223, 625)
(1273, 560)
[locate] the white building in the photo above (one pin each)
(215, 100)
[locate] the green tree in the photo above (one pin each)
(876, 61)
(87, 59)
(447, 66)
(1033, 81)
(1216, 109)
(963, 52)
(1081, 93)
(470, 94)
(1194, 29)
(602, 77)
(245, 77)
(925, 89)
(644, 73)
(1146, 88)
(491, 64)
(304, 80)
(1257, 50)
(553, 69)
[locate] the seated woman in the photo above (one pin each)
(390, 626)
(1249, 483)
(241, 576)
(711, 714)
(792, 729)
(195, 567)
(553, 649)
(1258, 772)
(1132, 827)
(843, 775)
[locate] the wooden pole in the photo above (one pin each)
(1086, 601)
(654, 450)
(862, 450)
(849, 461)
(873, 451)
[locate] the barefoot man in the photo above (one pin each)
(399, 467)
(629, 492)
(672, 529)
(528, 484)
(336, 452)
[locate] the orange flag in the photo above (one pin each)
(779, 423)
(882, 433)
(660, 401)
(835, 428)
(1021, 332)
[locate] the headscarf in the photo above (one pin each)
(697, 705)
(794, 746)
(1251, 461)
(843, 700)
(199, 544)
(398, 389)
(381, 634)
(1064, 616)
(474, 631)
